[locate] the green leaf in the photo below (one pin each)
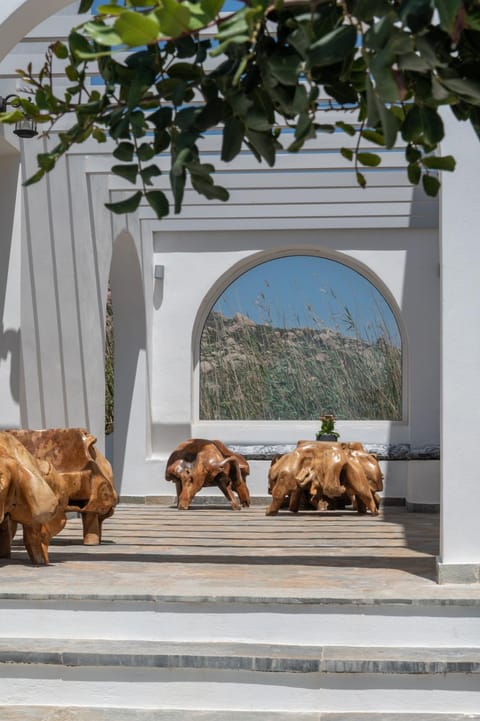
(161, 118)
(12, 116)
(361, 180)
(173, 18)
(436, 162)
(464, 88)
(412, 61)
(84, 6)
(102, 34)
(414, 173)
(186, 71)
(181, 159)
(412, 126)
(211, 7)
(46, 161)
(347, 153)
(78, 43)
(59, 50)
(256, 119)
(385, 85)
(333, 47)
(233, 132)
(124, 152)
(417, 14)
(151, 171)
(346, 127)
(285, 68)
(145, 152)
(136, 29)
(378, 35)
(177, 183)
(263, 144)
(137, 123)
(432, 124)
(431, 185)
(71, 73)
(448, 11)
(110, 9)
(34, 178)
(390, 124)
(159, 202)
(304, 130)
(369, 159)
(412, 154)
(161, 141)
(126, 206)
(128, 172)
(373, 136)
(205, 187)
(99, 135)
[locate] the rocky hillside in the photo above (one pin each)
(258, 372)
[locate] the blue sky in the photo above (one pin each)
(229, 5)
(313, 292)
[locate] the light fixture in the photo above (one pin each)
(25, 128)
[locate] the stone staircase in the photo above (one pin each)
(216, 615)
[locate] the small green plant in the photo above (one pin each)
(328, 427)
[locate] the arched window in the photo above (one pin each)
(296, 337)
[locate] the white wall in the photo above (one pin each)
(198, 267)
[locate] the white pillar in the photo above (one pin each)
(459, 560)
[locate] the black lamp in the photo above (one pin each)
(25, 128)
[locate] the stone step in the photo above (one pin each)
(242, 691)
(327, 623)
(88, 713)
(263, 658)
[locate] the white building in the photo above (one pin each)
(60, 246)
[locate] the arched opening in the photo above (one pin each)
(297, 336)
(129, 340)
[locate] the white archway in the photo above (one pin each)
(18, 17)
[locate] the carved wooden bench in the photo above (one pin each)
(88, 474)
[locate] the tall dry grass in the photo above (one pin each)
(255, 371)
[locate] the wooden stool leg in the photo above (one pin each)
(91, 529)
(5, 538)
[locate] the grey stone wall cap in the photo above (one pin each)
(384, 451)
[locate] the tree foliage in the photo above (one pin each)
(391, 63)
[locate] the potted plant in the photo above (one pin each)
(327, 431)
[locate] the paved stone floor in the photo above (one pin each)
(158, 552)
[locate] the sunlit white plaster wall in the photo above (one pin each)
(460, 261)
(198, 267)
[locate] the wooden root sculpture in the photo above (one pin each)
(85, 473)
(198, 462)
(32, 494)
(326, 472)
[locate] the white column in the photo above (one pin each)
(459, 560)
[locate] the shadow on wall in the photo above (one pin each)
(9, 337)
(129, 341)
